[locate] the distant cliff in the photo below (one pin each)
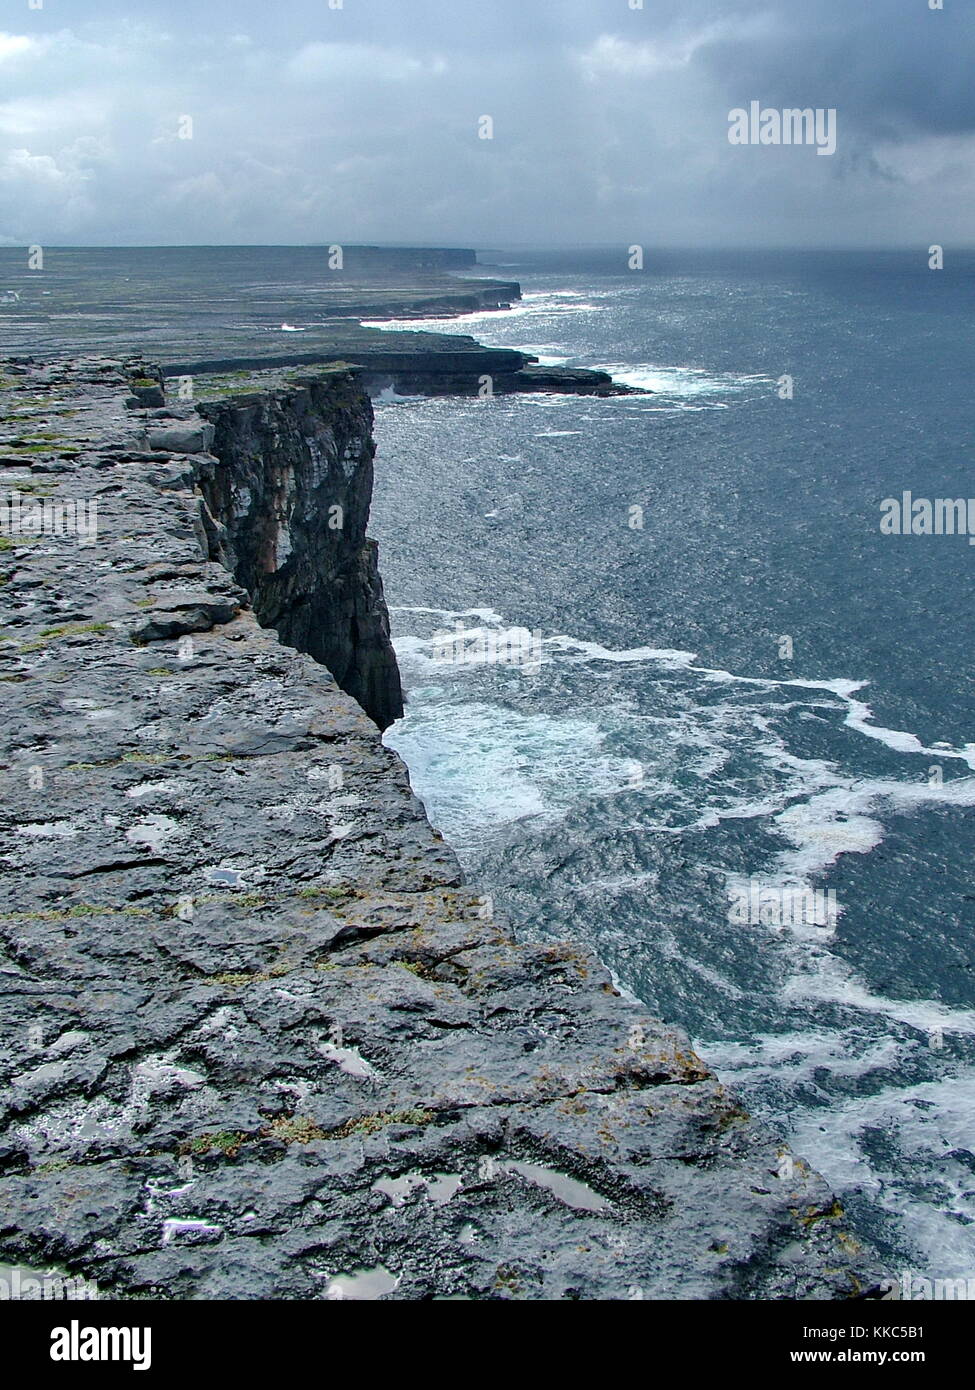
(294, 309)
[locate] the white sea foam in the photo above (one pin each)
(388, 396)
(833, 982)
(922, 1125)
(553, 304)
(796, 1057)
(684, 383)
(482, 766)
(486, 615)
(485, 766)
(548, 354)
(495, 766)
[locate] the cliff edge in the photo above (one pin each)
(262, 1040)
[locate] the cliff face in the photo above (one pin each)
(291, 495)
(259, 1036)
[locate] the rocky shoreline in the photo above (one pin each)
(478, 371)
(263, 1040)
(86, 302)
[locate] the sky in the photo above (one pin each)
(361, 121)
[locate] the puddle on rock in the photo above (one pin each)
(362, 1285)
(193, 1231)
(231, 878)
(568, 1190)
(351, 1061)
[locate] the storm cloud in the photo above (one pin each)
(237, 121)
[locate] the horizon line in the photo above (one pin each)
(453, 246)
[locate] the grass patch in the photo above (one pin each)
(28, 539)
(55, 1165)
(294, 1129)
(326, 890)
(371, 1124)
(79, 910)
(28, 486)
(51, 634)
(226, 1142)
(38, 444)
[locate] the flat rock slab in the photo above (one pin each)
(182, 439)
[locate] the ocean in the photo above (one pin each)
(673, 693)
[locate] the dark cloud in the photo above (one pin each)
(316, 124)
(895, 69)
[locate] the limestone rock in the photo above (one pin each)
(183, 439)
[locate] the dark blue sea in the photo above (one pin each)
(739, 689)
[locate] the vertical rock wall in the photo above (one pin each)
(290, 499)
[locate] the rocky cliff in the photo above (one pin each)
(292, 490)
(430, 365)
(261, 1041)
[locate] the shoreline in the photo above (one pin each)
(376, 284)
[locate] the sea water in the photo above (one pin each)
(745, 692)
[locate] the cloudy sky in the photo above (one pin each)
(360, 122)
